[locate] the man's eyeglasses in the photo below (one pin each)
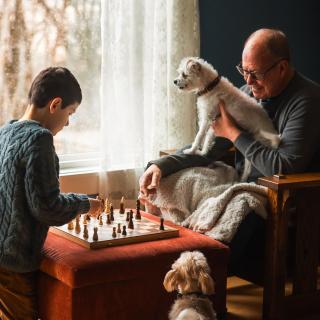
(255, 75)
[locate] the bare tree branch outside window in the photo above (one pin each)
(35, 34)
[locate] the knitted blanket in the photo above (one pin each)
(209, 200)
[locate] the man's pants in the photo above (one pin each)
(17, 295)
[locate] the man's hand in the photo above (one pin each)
(225, 126)
(95, 207)
(150, 180)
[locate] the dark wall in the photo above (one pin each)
(225, 24)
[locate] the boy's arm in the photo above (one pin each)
(42, 187)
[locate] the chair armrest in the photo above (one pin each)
(291, 181)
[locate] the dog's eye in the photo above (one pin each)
(184, 75)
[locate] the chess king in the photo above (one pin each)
(30, 196)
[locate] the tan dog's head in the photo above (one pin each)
(194, 74)
(190, 273)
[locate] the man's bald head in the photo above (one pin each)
(270, 42)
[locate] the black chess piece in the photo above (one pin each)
(111, 213)
(108, 219)
(138, 215)
(119, 228)
(124, 231)
(114, 234)
(130, 224)
(161, 224)
(128, 216)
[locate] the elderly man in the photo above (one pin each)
(292, 102)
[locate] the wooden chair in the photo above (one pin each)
(301, 192)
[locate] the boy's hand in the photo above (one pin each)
(150, 180)
(95, 207)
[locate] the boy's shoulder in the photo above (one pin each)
(27, 131)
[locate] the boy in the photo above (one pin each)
(30, 198)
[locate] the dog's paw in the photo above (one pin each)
(189, 151)
(200, 152)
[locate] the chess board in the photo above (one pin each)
(144, 230)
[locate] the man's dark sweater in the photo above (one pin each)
(295, 114)
(30, 198)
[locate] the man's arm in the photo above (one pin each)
(300, 139)
(178, 161)
(167, 165)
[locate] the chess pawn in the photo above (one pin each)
(124, 231)
(84, 220)
(100, 220)
(78, 228)
(161, 224)
(128, 216)
(119, 228)
(70, 225)
(95, 234)
(121, 205)
(85, 232)
(108, 218)
(114, 234)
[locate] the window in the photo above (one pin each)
(35, 34)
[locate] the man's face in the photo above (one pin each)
(262, 72)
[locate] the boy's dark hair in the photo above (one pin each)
(54, 82)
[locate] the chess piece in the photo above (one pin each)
(111, 213)
(121, 206)
(124, 231)
(138, 215)
(85, 232)
(107, 206)
(128, 215)
(78, 227)
(95, 234)
(108, 218)
(84, 220)
(70, 225)
(100, 220)
(119, 228)
(130, 224)
(114, 234)
(161, 224)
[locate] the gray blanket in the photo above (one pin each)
(209, 200)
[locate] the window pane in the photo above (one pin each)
(35, 34)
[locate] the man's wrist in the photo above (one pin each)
(234, 134)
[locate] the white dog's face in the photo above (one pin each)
(193, 74)
(190, 273)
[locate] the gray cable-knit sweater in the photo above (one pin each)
(30, 198)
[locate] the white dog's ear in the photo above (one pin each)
(194, 66)
(170, 281)
(206, 283)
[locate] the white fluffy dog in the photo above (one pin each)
(190, 276)
(197, 75)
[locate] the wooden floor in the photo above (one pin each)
(244, 300)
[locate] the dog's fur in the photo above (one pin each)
(195, 75)
(190, 276)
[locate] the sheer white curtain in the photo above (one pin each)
(142, 112)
